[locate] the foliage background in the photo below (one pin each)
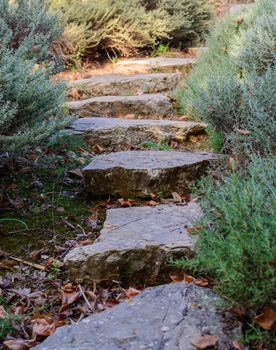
(233, 85)
(31, 104)
(123, 27)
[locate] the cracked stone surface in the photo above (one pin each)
(140, 173)
(135, 244)
(127, 84)
(155, 105)
(166, 317)
(158, 64)
(115, 131)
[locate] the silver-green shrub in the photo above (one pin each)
(237, 244)
(233, 85)
(26, 25)
(31, 104)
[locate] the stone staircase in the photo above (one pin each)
(135, 243)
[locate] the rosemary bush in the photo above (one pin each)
(237, 244)
(233, 85)
(189, 19)
(115, 27)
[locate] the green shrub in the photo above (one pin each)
(31, 105)
(118, 27)
(238, 241)
(190, 19)
(233, 85)
(26, 25)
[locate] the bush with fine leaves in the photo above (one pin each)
(31, 105)
(233, 86)
(237, 244)
(116, 27)
(189, 19)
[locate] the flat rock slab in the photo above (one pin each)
(148, 105)
(135, 244)
(159, 64)
(140, 173)
(127, 84)
(115, 131)
(167, 317)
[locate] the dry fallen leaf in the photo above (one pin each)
(2, 312)
(238, 311)
(131, 292)
(237, 345)
(152, 203)
(7, 264)
(126, 203)
(86, 242)
(174, 145)
(266, 320)
(193, 230)
(184, 278)
(75, 93)
(17, 203)
(98, 149)
(205, 341)
(43, 328)
(110, 303)
(176, 279)
(188, 279)
(176, 197)
(92, 221)
(36, 254)
(184, 118)
(19, 344)
(201, 282)
(69, 295)
(154, 197)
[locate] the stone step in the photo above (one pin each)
(135, 244)
(148, 105)
(168, 317)
(239, 8)
(197, 51)
(157, 64)
(108, 132)
(127, 84)
(140, 173)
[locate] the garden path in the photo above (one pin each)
(136, 242)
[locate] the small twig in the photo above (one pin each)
(29, 263)
(25, 262)
(82, 229)
(84, 297)
(21, 231)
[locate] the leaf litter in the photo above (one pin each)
(36, 296)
